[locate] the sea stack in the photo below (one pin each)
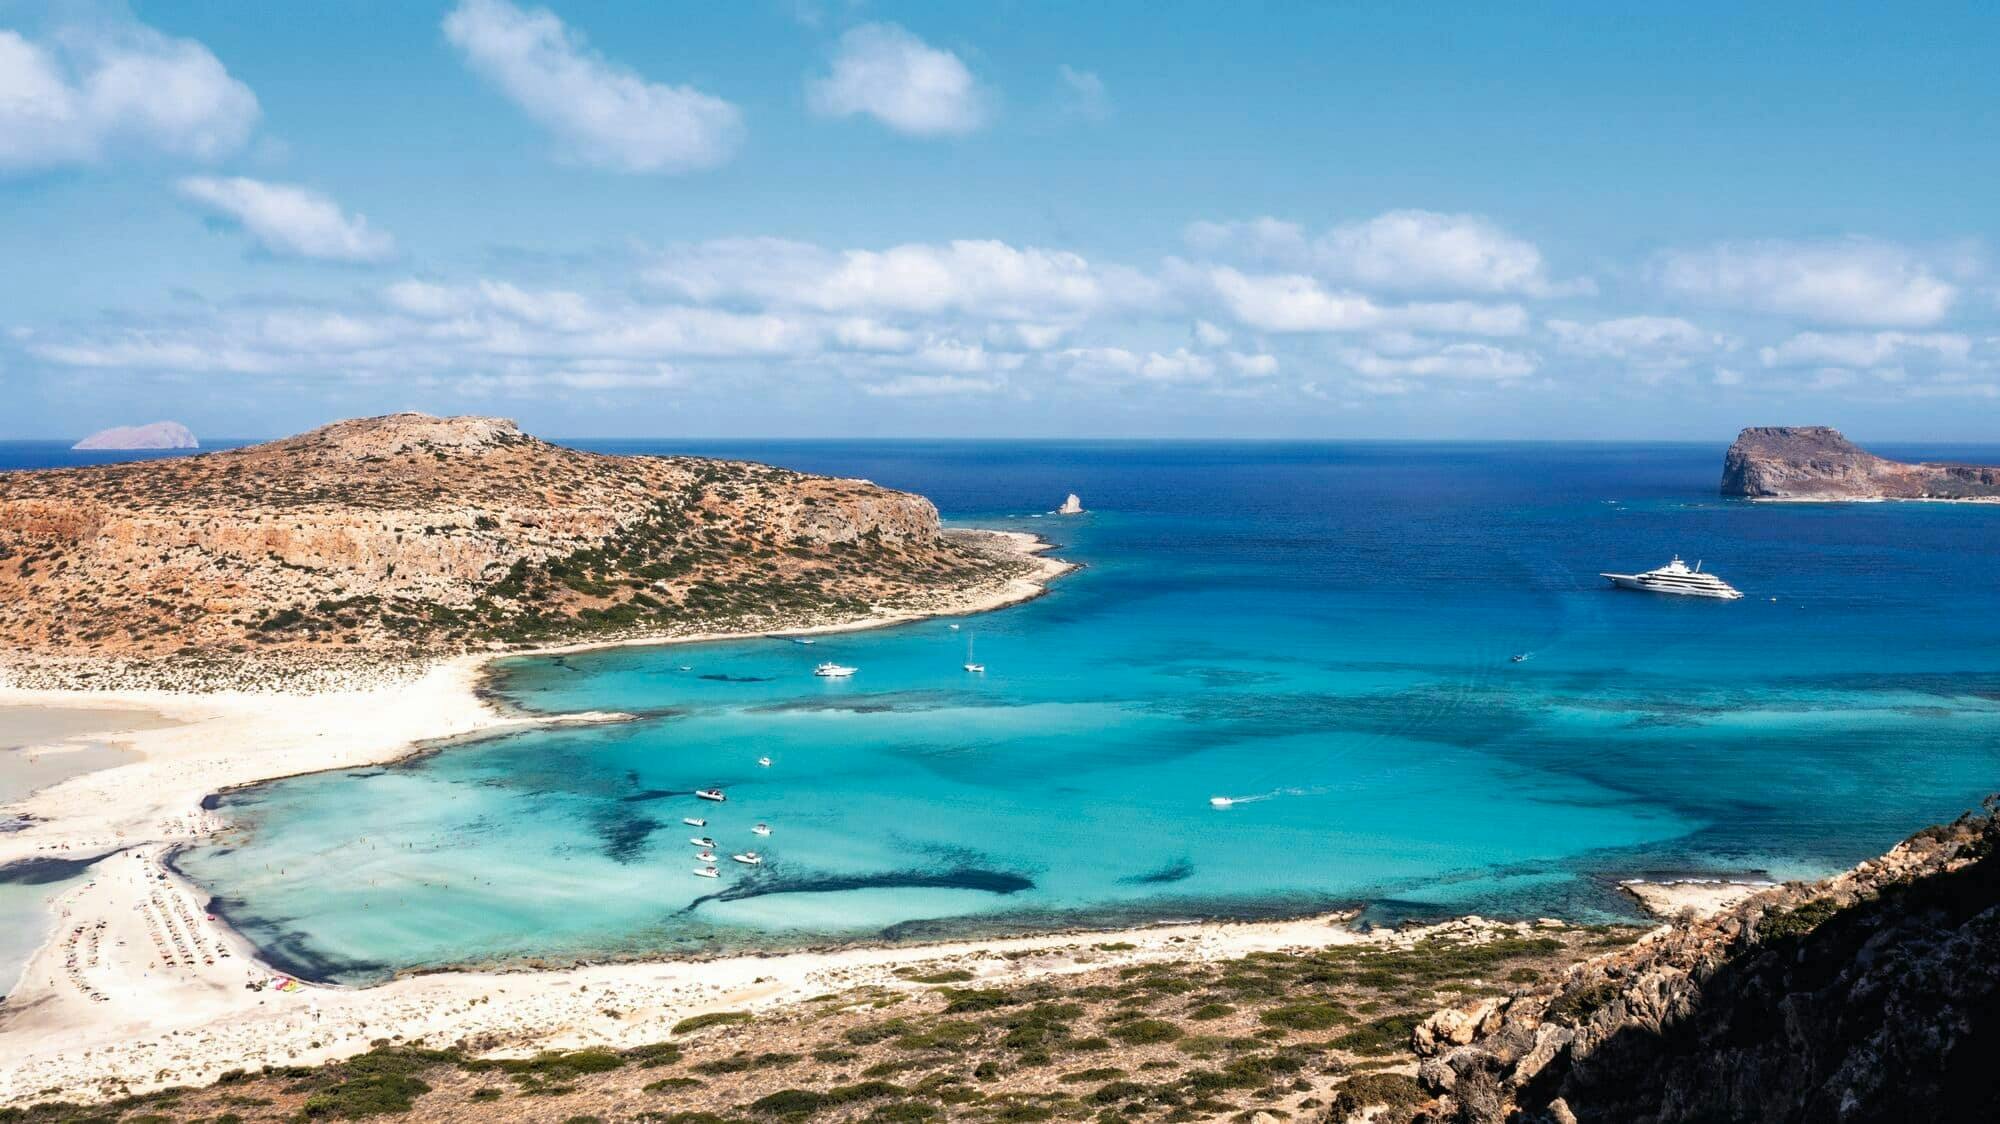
(1815, 462)
(158, 435)
(1071, 506)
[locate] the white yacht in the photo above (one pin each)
(707, 872)
(702, 841)
(832, 670)
(1675, 577)
(761, 829)
(748, 858)
(714, 794)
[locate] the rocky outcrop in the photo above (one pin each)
(1871, 996)
(1816, 462)
(419, 535)
(1071, 505)
(158, 435)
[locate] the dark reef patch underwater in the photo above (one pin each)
(1320, 633)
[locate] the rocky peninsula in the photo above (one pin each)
(1815, 462)
(157, 435)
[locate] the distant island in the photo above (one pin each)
(158, 435)
(1815, 462)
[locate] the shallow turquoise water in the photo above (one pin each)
(1321, 631)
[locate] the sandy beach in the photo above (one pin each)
(137, 987)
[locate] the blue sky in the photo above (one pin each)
(855, 219)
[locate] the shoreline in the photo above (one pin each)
(120, 824)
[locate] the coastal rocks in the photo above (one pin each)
(1818, 463)
(1869, 996)
(1071, 506)
(158, 435)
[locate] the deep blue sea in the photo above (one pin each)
(1321, 631)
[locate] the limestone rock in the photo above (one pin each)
(158, 435)
(1817, 462)
(1071, 506)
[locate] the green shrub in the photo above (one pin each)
(1144, 1032)
(713, 1018)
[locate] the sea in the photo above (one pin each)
(1324, 635)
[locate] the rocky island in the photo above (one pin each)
(1815, 462)
(158, 435)
(410, 536)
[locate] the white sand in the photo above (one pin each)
(137, 988)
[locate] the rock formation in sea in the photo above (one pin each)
(1874, 995)
(157, 435)
(1816, 462)
(416, 535)
(1071, 506)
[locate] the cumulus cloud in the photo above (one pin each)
(600, 113)
(1403, 250)
(1864, 349)
(1298, 303)
(883, 71)
(1118, 363)
(1849, 281)
(984, 278)
(909, 386)
(94, 92)
(288, 220)
(1458, 361)
(1648, 343)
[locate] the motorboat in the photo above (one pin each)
(702, 841)
(830, 670)
(748, 858)
(705, 857)
(952, 627)
(714, 794)
(693, 822)
(761, 829)
(1675, 577)
(1518, 657)
(764, 761)
(707, 872)
(802, 640)
(1221, 801)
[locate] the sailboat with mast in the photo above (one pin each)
(970, 664)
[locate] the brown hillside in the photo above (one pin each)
(412, 535)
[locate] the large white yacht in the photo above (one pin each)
(1675, 577)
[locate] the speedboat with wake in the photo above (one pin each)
(831, 670)
(1676, 577)
(749, 858)
(714, 794)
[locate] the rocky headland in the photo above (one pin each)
(1873, 995)
(1815, 462)
(411, 537)
(157, 435)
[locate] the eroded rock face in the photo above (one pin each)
(411, 533)
(1874, 995)
(1817, 462)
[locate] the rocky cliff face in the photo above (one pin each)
(1872, 996)
(1816, 462)
(411, 534)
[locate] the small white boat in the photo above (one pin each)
(764, 761)
(707, 872)
(702, 841)
(749, 858)
(952, 627)
(1220, 801)
(972, 665)
(686, 667)
(761, 829)
(832, 670)
(801, 639)
(705, 857)
(714, 794)
(1518, 657)
(692, 822)
(975, 667)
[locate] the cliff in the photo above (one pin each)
(158, 435)
(413, 535)
(1874, 995)
(1816, 462)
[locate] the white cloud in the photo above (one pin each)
(1850, 281)
(288, 220)
(891, 75)
(1864, 349)
(93, 92)
(907, 386)
(1459, 361)
(601, 113)
(1083, 94)
(1258, 366)
(982, 278)
(1728, 376)
(1650, 342)
(1102, 363)
(1297, 303)
(1209, 335)
(1404, 250)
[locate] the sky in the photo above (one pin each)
(833, 218)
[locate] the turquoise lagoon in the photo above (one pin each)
(1322, 632)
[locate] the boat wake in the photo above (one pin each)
(1232, 801)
